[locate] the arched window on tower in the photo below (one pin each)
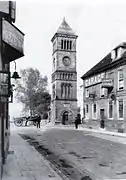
(53, 89)
(64, 44)
(70, 45)
(63, 75)
(61, 44)
(54, 63)
(67, 44)
(62, 90)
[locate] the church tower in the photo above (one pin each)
(64, 75)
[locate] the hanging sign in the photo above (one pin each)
(4, 84)
(12, 36)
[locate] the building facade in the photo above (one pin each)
(104, 95)
(64, 75)
(11, 48)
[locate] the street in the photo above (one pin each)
(80, 155)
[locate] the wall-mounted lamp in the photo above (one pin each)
(15, 74)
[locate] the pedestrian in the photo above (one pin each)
(76, 123)
(38, 120)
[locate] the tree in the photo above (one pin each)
(31, 90)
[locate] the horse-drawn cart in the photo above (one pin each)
(20, 121)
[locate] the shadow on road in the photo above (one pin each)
(59, 164)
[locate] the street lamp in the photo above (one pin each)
(15, 74)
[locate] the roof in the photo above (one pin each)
(65, 28)
(105, 63)
(121, 45)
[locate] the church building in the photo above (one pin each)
(64, 75)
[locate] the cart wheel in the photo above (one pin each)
(18, 122)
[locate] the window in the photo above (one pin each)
(64, 44)
(54, 62)
(70, 45)
(67, 45)
(86, 108)
(120, 109)
(120, 80)
(113, 55)
(86, 93)
(119, 52)
(53, 89)
(102, 92)
(110, 109)
(61, 44)
(66, 90)
(94, 110)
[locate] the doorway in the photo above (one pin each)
(65, 117)
(102, 118)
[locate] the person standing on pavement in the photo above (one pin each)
(77, 121)
(38, 121)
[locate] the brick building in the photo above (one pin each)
(64, 75)
(104, 95)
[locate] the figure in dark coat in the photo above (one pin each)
(38, 120)
(77, 121)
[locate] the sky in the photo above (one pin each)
(99, 24)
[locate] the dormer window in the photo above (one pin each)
(114, 54)
(117, 53)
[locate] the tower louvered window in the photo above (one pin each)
(66, 44)
(66, 90)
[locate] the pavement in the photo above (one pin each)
(100, 130)
(24, 162)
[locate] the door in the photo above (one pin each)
(65, 118)
(102, 118)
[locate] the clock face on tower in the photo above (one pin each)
(66, 61)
